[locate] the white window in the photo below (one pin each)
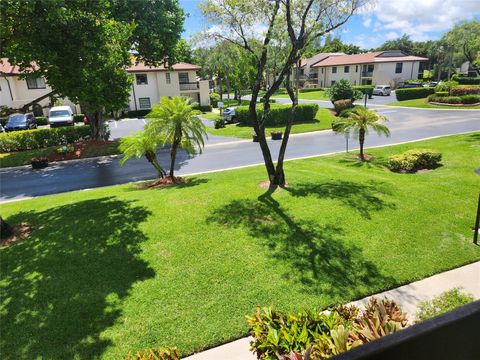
(144, 103)
(169, 79)
(142, 79)
(36, 83)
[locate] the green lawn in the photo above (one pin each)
(324, 121)
(23, 157)
(312, 95)
(422, 103)
(118, 269)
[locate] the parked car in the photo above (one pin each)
(382, 90)
(412, 85)
(229, 114)
(431, 84)
(21, 122)
(2, 129)
(60, 115)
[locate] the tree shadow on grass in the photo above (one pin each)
(192, 181)
(316, 255)
(378, 162)
(63, 286)
(363, 197)
(475, 138)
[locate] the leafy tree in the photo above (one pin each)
(82, 47)
(403, 43)
(175, 122)
(342, 90)
(303, 20)
(464, 40)
(360, 121)
(183, 51)
(141, 144)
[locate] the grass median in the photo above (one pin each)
(423, 103)
(118, 269)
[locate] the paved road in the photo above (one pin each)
(220, 153)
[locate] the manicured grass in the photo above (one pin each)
(324, 122)
(422, 103)
(312, 95)
(23, 157)
(118, 269)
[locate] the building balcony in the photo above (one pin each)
(189, 86)
(367, 73)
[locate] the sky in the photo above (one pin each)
(384, 20)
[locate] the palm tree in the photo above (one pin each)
(360, 121)
(175, 121)
(141, 144)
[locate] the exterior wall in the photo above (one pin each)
(158, 87)
(325, 79)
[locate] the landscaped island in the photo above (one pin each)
(116, 270)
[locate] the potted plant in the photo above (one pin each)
(39, 162)
(276, 135)
(255, 137)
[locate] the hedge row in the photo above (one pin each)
(278, 114)
(40, 138)
(135, 113)
(304, 90)
(465, 99)
(459, 91)
(203, 108)
(414, 93)
(365, 89)
(414, 160)
(468, 80)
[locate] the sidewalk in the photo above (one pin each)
(408, 296)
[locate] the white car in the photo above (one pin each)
(60, 115)
(229, 114)
(382, 90)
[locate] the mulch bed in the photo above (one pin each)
(78, 150)
(164, 182)
(20, 232)
(367, 157)
(452, 105)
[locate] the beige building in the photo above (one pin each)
(375, 68)
(151, 83)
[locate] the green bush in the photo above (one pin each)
(446, 301)
(203, 108)
(78, 118)
(40, 138)
(446, 85)
(277, 334)
(305, 90)
(445, 99)
(163, 353)
(440, 93)
(214, 99)
(470, 99)
(365, 89)
(414, 93)
(342, 90)
(278, 114)
(219, 123)
(468, 80)
(459, 91)
(414, 160)
(136, 113)
(341, 105)
(41, 120)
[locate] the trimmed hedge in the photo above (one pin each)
(41, 120)
(414, 93)
(459, 91)
(341, 105)
(470, 99)
(304, 90)
(414, 160)
(365, 89)
(468, 80)
(78, 118)
(278, 114)
(136, 113)
(465, 99)
(40, 138)
(203, 108)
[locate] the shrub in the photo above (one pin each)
(278, 114)
(78, 118)
(342, 90)
(214, 99)
(40, 138)
(446, 85)
(136, 113)
(277, 334)
(468, 80)
(203, 108)
(446, 301)
(365, 89)
(219, 123)
(413, 93)
(156, 354)
(414, 160)
(305, 90)
(470, 99)
(444, 99)
(440, 93)
(41, 120)
(459, 91)
(341, 105)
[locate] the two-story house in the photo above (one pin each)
(151, 83)
(375, 68)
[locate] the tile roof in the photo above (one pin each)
(372, 57)
(178, 67)
(317, 58)
(9, 69)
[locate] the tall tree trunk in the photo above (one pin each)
(361, 139)
(5, 229)
(97, 128)
(227, 80)
(173, 156)
(152, 159)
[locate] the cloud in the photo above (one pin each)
(421, 19)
